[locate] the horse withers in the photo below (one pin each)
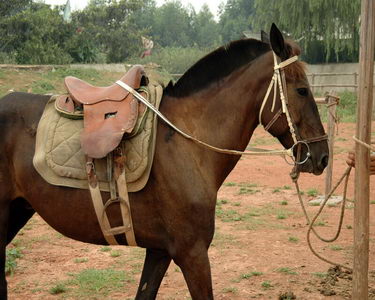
(218, 101)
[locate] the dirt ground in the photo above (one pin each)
(259, 250)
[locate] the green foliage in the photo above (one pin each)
(110, 26)
(13, 7)
(206, 30)
(171, 26)
(312, 192)
(346, 110)
(286, 270)
(96, 283)
(251, 274)
(336, 247)
(235, 18)
(12, 255)
(327, 28)
(267, 284)
(175, 60)
(35, 36)
(58, 289)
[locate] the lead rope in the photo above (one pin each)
(294, 175)
(311, 222)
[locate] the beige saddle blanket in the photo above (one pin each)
(60, 161)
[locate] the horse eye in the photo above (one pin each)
(303, 91)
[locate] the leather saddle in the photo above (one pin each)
(108, 112)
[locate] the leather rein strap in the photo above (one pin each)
(278, 80)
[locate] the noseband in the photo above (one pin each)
(278, 81)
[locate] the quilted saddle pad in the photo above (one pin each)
(60, 161)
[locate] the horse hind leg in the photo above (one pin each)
(154, 268)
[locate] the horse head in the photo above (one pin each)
(302, 130)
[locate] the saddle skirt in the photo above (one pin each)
(60, 159)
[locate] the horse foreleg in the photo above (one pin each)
(195, 266)
(19, 213)
(154, 268)
(4, 216)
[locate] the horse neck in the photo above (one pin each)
(224, 115)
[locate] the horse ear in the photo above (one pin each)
(264, 37)
(277, 43)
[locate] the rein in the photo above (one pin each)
(278, 80)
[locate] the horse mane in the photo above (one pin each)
(226, 59)
(216, 65)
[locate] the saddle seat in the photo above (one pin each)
(85, 93)
(108, 112)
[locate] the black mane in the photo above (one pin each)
(216, 65)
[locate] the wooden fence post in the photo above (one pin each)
(331, 125)
(364, 110)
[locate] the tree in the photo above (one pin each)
(235, 17)
(8, 8)
(206, 29)
(112, 27)
(329, 25)
(173, 25)
(35, 35)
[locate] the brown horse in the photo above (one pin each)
(218, 101)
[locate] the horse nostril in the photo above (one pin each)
(324, 161)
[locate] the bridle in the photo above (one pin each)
(278, 81)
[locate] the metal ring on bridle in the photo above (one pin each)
(308, 154)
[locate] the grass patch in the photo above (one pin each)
(221, 239)
(221, 201)
(247, 190)
(349, 227)
(96, 284)
(286, 270)
(251, 274)
(276, 190)
(12, 255)
(336, 248)
(81, 260)
(320, 223)
(115, 253)
(229, 184)
(312, 192)
(105, 249)
(42, 87)
(293, 239)
(286, 187)
(266, 284)
(58, 289)
(281, 216)
(232, 290)
(284, 202)
(320, 274)
(229, 215)
(372, 202)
